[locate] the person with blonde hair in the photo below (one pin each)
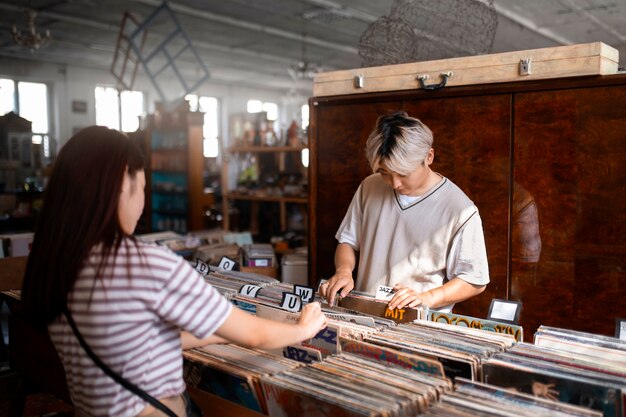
(414, 229)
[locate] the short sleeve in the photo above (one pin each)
(191, 303)
(468, 255)
(350, 229)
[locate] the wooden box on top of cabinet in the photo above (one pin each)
(594, 58)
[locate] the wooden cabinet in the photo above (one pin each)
(175, 198)
(542, 160)
(275, 176)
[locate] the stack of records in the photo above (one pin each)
(270, 295)
(375, 307)
(348, 385)
(477, 323)
(325, 343)
(568, 366)
(183, 245)
(481, 400)
(460, 350)
(233, 372)
(579, 342)
(230, 282)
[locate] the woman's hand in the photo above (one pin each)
(545, 391)
(312, 320)
(407, 297)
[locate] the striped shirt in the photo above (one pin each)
(131, 319)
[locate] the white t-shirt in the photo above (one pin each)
(418, 242)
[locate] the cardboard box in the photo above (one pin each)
(259, 255)
(18, 244)
(295, 269)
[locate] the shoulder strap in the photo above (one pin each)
(115, 376)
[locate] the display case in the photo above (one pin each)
(175, 197)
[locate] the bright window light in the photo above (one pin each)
(131, 110)
(33, 99)
(30, 101)
(271, 109)
(107, 107)
(304, 157)
(255, 106)
(305, 116)
(210, 128)
(210, 148)
(208, 105)
(193, 101)
(118, 110)
(46, 146)
(7, 96)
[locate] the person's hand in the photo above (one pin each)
(341, 281)
(406, 297)
(545, 391)
(312, 320)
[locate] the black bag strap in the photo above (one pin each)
(115, 376)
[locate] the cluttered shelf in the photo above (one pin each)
(266, 197)
(269, 193)
(243, 149)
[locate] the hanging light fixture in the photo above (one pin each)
(30, 38)
(303, 69)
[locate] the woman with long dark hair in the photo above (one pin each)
(129, 300)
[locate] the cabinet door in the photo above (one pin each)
(472, 148)
(339, 131)
(570, 156)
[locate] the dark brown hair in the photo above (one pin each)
(79, 212)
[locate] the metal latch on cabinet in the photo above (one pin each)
(444, 79)
(359, 81)
(525, 66)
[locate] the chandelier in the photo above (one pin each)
(303, 69)
(30, 39)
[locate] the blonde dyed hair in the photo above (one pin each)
(400, 142)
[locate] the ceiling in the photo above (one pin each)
(255, 42)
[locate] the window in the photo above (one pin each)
(118, 110)
(131, 109)
(210, 129)
(30, 101)
(7, 96)
(256, 106)
(304, 110)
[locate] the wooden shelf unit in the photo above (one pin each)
(259, 196)
(175, 163)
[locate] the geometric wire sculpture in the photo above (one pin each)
(166, 43)
(436, 30)
(125, 59)
(387, 41)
